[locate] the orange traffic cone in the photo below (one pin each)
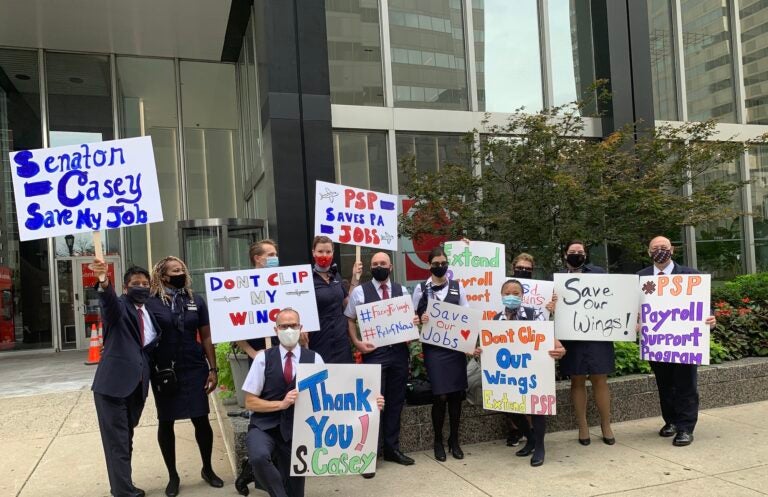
(94, 349)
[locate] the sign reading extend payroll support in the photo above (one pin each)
(537, 294)
(673, 311)
(480, 269)
(82, 188)
(244, 304)
(598, 307)
(451, 326)
(336, 419)
(387, 322)
(518, 373)
(355, 216)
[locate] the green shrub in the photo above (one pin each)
(226, 381)
(628, 359)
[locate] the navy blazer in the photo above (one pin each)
(676, 269)
(124, 362)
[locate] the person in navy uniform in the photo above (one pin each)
(447, 369)
(677, 383)
(331, 341)
(393, 358)
(121, 382)
(183, 316)
(587, 358)
(512, 298)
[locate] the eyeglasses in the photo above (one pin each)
(439, 264)
(523, 268)
(286, 326)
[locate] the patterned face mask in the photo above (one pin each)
(660, 256)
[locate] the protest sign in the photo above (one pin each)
(244, 304)
(387, 322)
(355, 216)
(480, 269)
(518, 373)
(599, 307)
(89, 187)
(673, 311)
(537, 294)
(336, 419)
(451, 326)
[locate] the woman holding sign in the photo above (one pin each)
(512, 298)
(182, 317)
(447, 369)
(587, 359)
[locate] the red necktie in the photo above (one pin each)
(384, 292)
(141, 324)
(288, 368)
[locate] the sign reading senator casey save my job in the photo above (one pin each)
(87, 187)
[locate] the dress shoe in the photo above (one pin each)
(244, 478)
(538, 458)
(172, 489)
(398, 457)
(527, 449)
(456, 452)
(585, 441)
(668, 430)
(368, 476)
(513, 439)
(211, 479)
(609, 440)
(682, 439)
(137, 492)
(439, 452)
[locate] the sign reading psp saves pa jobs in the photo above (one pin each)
(86, 187)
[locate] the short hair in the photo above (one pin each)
(436, 252)
(574, 242)
(132, 271)
(523, 256)
(321, 239)
(257, 248)
(512, 282)
(288, 309)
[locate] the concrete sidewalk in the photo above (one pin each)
(50, 445)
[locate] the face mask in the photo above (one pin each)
(439, 271)
(523, 273)
(661, 256)
(380, 273)
(289, 338)
(272, 262)
(178, 280)
(511, 302)
(138, 294)
(575, 260)
(323, 263)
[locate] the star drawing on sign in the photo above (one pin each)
(649, 287)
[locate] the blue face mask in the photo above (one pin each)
(272, 262)
(511, 302)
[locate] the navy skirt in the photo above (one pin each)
(190, 401)
(586, 357)
(447, 369)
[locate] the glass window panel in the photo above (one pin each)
(507, 55)
(754, 47)
(570, 32)
(425, 40)
(354, 51)
(662, 60)
(758, 172)
(25, 305)
(708, 60)
(431, 152)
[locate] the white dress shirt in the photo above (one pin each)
(439, 295)
(149, 330)
(667, 270)
(254, 382)
(357, 297)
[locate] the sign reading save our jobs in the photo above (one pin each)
(244, 304)
(386, 322)
(88, 187)
(355, 216)
(518, 373)
(673, 311)
(451, 326)
(336, 419)
(479, 268)
(598, 307)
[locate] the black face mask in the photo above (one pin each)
(575, 260)
(439, 271)
(523, 273)
(138, 294)
(380, 273)
(178, 280)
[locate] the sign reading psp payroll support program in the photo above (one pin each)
(480, 269)
(518, 373)
(244, 304)
(386, 322)
(453, 327)
(673, 311)
(336, 419)
(355, 216)
(88, 187)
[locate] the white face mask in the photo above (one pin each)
(289, 338)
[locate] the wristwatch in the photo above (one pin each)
(214, 370)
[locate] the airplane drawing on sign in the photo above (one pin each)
(387, 237)
(329, 195)
(226, 299)
(297, 292)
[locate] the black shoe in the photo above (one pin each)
(527, 449)
(609, 441)
(368, 476)
(398, 457)
(682, 439)
(137, 492)
(538, 458)
(244, 478)
(513, 440)
(172, 489)
(440, 451)
(585, 441)
(456, 452)
(668, 430)
(211, 478)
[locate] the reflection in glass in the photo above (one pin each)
(354, 52)
(708, 60)
(754, 47)
(361, 159)
(428, 64)
(662, 60)
(431, 153)
(507, 55)
(758, 173)
(570, 32)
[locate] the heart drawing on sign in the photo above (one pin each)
(465, 334)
